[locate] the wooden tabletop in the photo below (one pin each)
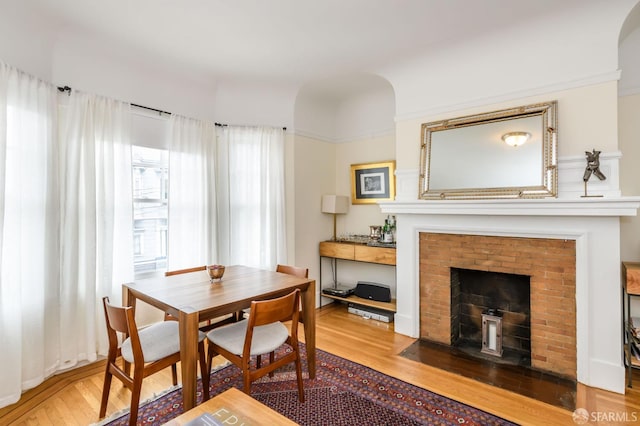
(197, 293)
(233, 407)
(192, 297)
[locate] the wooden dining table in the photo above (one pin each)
(193, 298)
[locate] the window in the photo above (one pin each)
(150, 208)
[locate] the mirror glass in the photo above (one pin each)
(468, 157)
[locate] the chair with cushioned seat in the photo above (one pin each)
(263, 332)
(149, 349)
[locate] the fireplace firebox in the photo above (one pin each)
(490, 311)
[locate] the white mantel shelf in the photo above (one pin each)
(591, 206)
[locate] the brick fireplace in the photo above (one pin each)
(580, 289)
(551, 266)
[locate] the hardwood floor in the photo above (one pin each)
(73, 398)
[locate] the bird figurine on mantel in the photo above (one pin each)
(593, 168)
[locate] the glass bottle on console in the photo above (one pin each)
(392, 224)
(387, 235)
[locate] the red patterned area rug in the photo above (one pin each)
(343, 393)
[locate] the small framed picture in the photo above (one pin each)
(373, 182)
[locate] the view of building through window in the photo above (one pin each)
(150, 208)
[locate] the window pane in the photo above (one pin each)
(150, 212)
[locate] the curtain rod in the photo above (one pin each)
(152, 109)
(225, 125)
(68, 89)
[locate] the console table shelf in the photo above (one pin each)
(357, 252)
(385, 306)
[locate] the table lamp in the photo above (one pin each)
(335, 204)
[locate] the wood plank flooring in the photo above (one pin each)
(73, 398)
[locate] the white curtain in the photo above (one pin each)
(28, 233)
(192, 193)
(96, 220)
(251, 195)
(65, 227)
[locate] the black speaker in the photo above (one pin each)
(373, 291)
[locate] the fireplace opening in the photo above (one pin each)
(499, 297)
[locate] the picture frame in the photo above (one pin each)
(373, 182)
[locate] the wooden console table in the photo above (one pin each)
(357, 252)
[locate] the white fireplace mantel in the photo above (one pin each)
(594, 223)
(589, 206)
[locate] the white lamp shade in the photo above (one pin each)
(335, 204)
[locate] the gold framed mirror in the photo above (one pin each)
(511, 153)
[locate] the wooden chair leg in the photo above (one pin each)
(299, 376)
(174, 374)
(205, 371)
(258, 361)
(135, 398)
(106, 388)
(210, 354)
(247, 382)
(272, 356)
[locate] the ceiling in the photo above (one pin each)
(283, 41)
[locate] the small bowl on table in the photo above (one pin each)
(215, 272)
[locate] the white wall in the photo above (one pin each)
(93, 65)
(629, 128)
(254, 103)
(19, 44)
(315, 175)
(315, 118)
(545, 56)
(629, 131)
(366, 116)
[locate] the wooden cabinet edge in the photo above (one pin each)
(382, 255)
(632, 277)
(337, 250)
(358, 253)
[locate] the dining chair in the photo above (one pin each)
(262, 333)
(208, 324)
(297, 271)
(293, 270)
(285, 269)
(150, 349)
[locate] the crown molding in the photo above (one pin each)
(346, 139)
(510, 96)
